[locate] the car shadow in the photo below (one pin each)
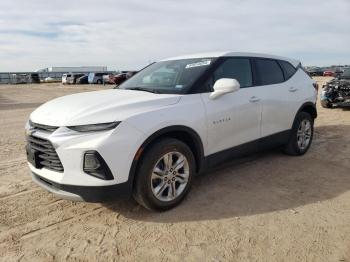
(267, 182)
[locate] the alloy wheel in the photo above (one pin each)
(304, 134)
(170, 176)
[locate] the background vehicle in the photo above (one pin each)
(338, 72)
(34, 78)
(170, 121)
(337, 91)
(82, 80)
(64, 78)
(73, 78)
(50, 80)
(19, 79)
(121, 77)
(328, 73)
(105, 79)
(317, 71)
(96, 78)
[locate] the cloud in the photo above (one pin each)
(129, 34)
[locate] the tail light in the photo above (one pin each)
(315, 86)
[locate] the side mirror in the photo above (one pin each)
(224, 86)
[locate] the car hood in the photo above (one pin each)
(99, 107)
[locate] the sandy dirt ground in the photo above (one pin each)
(271, 207)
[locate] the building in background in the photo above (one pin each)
(74, 69)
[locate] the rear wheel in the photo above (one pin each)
(301, 135)
(164, 175)
(99, 82)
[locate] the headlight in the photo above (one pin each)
(94, 127)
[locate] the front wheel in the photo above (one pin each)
(301, 135)
(164, 175)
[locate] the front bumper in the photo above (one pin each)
(85, 193)
(117, 147)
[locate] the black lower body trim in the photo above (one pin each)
(91, 193)
(265, 143)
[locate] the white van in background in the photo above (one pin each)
(64, 78)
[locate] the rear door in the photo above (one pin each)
(278, 96)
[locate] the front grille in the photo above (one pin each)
(42, 127)
(47, 155)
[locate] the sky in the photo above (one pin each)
(127, 35)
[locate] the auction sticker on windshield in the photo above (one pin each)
(202, 63)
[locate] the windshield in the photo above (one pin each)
(170, 77)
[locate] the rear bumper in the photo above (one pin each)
(85, 193)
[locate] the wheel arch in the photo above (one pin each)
(308, 107)
(183, 133)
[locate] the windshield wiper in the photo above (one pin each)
(144, 89)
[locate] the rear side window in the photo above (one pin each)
(268, 72)
(288, 69)
(237, 68)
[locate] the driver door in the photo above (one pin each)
(233, 119)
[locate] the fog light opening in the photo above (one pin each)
(95, 165)
(91, 162)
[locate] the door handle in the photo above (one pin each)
(292, 89)
(254, 99)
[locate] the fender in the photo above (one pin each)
(308, 107)
(197, 147)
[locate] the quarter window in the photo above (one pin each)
(268, 72)
(237, 68)
(288, 69)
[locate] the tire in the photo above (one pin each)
(326, 104)
(148, 183)
(295, 145)
(99, 82)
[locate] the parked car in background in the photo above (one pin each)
(64, 78)
(337, 91)
(19, 79)
(338, 72)
(73, 78)
(117, 79)
(317, 71)
(105, 79)
(328, 73)
(96, 78)
(82, 80)
(345, 75)
(50, 80)
(149, 139)
(34, 78)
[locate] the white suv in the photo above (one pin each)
(152, 135)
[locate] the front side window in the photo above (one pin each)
(268, 72)
(171, 77)
(237, 68)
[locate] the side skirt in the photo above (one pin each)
(241, 151)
